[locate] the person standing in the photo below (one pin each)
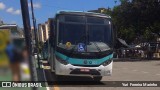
(14, 59)
(24, 70)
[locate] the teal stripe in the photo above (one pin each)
(81, 61)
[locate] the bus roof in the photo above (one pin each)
(84, 13)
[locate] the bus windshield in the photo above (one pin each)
(70, 32)
(100, 33)
(78, 29)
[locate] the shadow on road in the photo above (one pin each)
(52, 79)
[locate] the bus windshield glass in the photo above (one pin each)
(99, 30)
(80, 29)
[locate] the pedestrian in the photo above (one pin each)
(25, 55)
(24, 70)
(14, 60)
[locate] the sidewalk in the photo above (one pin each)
(134, 59)
(7, 76)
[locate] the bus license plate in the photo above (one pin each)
(84, 70)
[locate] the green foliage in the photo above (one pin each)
(147, 34)
(136, 18)
(127, 33)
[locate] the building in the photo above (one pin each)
(40, 33)
(16, 34)
(16, 31)
(44, 30)
(100, 10)
(1, 22)
(33, 34)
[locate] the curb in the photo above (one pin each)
(132, 60)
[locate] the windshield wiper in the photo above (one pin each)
(97, 46)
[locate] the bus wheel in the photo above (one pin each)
(97, 78)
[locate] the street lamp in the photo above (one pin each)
(27, 29)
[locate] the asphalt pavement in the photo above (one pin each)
(122, 71)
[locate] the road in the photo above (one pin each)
(122, 71)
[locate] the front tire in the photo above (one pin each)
(97, 78)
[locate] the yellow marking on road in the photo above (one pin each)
(56, 87)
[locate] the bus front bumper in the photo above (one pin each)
(71, 70)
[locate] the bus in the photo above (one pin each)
(81, 44)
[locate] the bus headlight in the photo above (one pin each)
(107, 62)
(62, 61)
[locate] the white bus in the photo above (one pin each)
(81, 44)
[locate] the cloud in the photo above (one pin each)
(35, 5)
(17, 12)
(12, 11)
(2, 6)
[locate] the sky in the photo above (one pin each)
(10, 10)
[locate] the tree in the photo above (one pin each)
(136, 18)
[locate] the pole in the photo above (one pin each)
(35, 32)
(27, 30)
